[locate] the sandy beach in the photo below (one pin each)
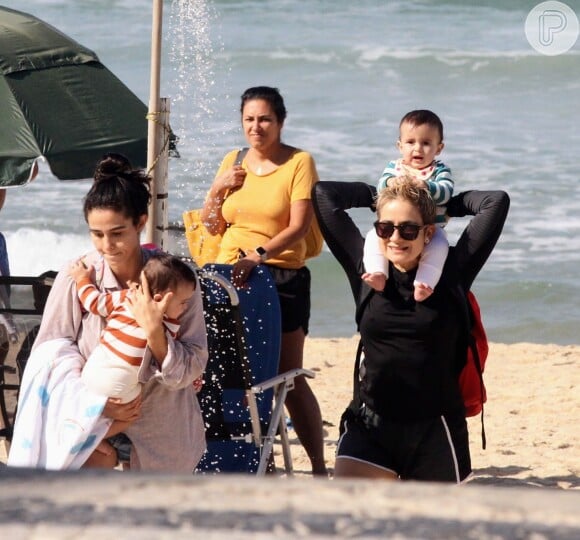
(531, 417)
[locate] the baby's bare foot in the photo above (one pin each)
(422, 292)
(376, 280)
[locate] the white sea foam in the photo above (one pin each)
(32, 251)
(304, 55)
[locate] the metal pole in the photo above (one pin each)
(160, 202)
(154, 126)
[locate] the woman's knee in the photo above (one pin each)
(100, 461)
(346, 467)
(104, 457)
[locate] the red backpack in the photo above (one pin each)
(471, 377)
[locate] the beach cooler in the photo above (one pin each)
(242, 399)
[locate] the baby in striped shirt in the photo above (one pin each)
(112, 368)
(420, 141)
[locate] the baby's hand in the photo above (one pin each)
(198, 384)
(78, 270)
(133, 285)
(376, 280)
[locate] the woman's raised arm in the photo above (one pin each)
(490, 209)
(331, 200)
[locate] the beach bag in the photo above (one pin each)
(203, 246)
(471, 383)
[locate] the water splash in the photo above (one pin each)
(195, 95)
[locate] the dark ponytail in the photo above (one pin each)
(119, 187)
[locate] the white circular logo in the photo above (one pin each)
(552, 28)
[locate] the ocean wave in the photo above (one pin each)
(348, 72)
(304, 56)
(368, 55)
(33, 251)
(371, 55)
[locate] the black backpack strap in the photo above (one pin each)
(355, 404)
(367, 293)
(356, 400)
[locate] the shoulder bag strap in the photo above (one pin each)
(241, 155)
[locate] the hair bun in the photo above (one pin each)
(112, 165)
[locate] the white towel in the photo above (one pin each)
(58, 423)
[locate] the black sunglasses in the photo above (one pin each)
(407, 231)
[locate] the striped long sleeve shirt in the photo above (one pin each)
(122, 336)
(437, 177)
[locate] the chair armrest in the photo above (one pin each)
(283, 377)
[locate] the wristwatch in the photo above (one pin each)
(262, 253)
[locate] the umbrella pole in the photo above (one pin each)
(154, 126)
(160, 234)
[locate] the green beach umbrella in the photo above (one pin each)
(58, 101)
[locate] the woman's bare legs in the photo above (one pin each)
(351, 468)
(301, 402)
(104, 457)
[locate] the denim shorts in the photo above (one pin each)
(122, 445)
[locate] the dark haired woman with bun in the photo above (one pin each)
(115, 209)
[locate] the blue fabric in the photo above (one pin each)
(4, 266)
(222, 399)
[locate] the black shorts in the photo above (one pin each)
(293, 288)
(435, 450)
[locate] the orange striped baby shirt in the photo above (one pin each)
(122, 336)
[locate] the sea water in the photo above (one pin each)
(348, 71)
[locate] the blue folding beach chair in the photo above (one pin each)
(243, 396)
